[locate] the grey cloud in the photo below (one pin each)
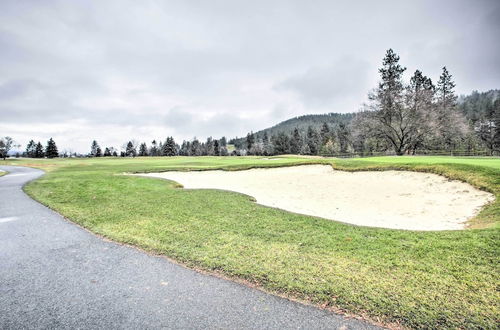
(327, 85)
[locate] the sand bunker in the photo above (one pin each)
(391, 199)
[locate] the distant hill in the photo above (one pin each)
(476, 105)
(302, 123)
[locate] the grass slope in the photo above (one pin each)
(445, 279)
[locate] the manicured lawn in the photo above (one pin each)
(443, 279)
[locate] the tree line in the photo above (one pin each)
(36, 150)
(194, 147)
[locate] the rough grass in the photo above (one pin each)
(446, 279)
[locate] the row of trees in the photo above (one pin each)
(211, 147)
(37, 150)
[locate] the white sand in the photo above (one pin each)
(391, 199)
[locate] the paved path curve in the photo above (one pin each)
(54, 274)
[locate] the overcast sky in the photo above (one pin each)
(118, 70)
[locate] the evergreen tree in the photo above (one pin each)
(130, 150)
(325, 133)
(93, 148)
(98, 152)
(30, 149)
(195, 148)
(216, 148)
(143, 149)
(281, 143)
(153, 151)
(447, 100)
(39, 153)
(250, 140)
(343, 137)
(295, 142)
(169, 147)
(389, 100)
(209, 147)
(223, 142)
(107, 152)
(51, 149)
(496, 120)
(451, 124)
(313, 140)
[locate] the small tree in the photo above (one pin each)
(30, 149)
(39, 153)
(169, 147)
(6, 144)
(153, 151)
(107, 152)
(93, 149)
(130, 149)
(216, 148)
(143, 149)
(51, 149)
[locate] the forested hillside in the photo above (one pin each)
(477, 106)
(302, 123)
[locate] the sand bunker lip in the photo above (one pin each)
(386, 199)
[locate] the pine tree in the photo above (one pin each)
(447, 100)
(451, 124)
(216, 148)
(107, 152)
(169, 147)
(98, 152)
(51, 149)
(496, 120)
(209, 146)
(39, 153)
(195, 149)
(143, 149)
(343, 137)
(250, 140)
(93, 148)
(295, 142)
(153, 151)
(325, 133)
(313, 140)
(30, 149)
(281, 143)
(130, 150)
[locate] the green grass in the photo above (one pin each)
(446, 279)
(2, 173)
